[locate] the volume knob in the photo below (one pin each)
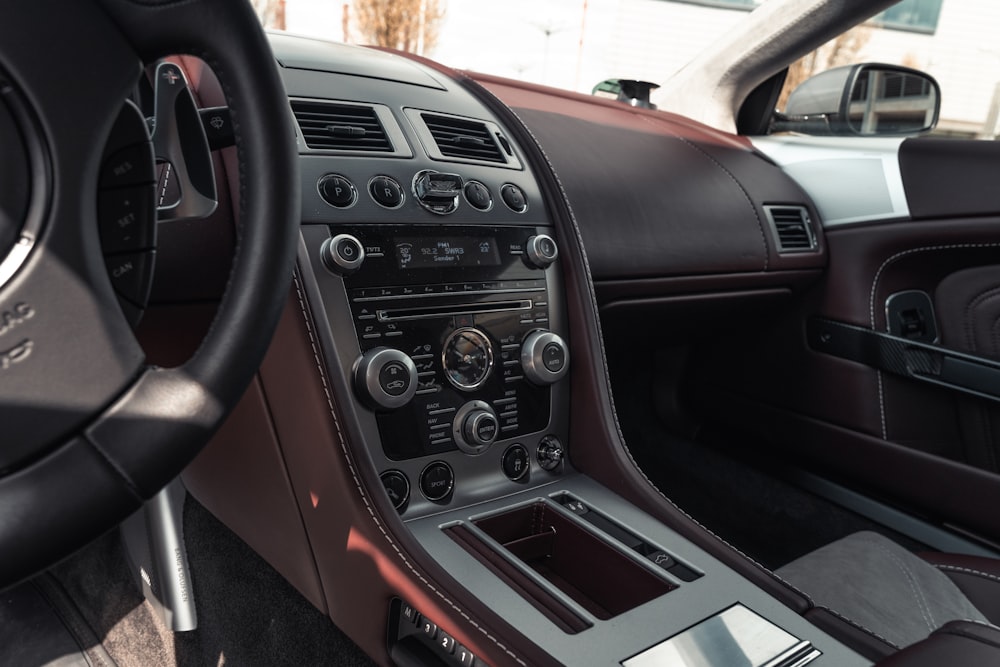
(343, 254)
(541, 251)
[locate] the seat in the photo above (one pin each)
(894, 595)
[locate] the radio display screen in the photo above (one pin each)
(441, 251)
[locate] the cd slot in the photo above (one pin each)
(398, 314)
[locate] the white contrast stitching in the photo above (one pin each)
(881, 403)
(871, 301)
(911, 579)
(853, 623)
(966, 570)
(746, 195)
(588, 282)
(360, 487)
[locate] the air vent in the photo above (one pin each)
(341, 127)
(465, 139)
(792, 228)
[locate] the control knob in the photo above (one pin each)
(385, 378)
(437, 192)
(541, 250)
(550, 453)
(476, 427)
(343, 254)
(544, 357)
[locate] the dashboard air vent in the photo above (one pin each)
(342, 127)
(792, 228)
(459, 138)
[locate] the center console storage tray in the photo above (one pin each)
(591, 571)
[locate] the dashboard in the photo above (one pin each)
(436, 398)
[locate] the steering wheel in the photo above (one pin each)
(87, 430)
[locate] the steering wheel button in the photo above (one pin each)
(386, 192)
(132, 275)
(126, 218)
(133, 165)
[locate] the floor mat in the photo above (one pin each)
(247, 613)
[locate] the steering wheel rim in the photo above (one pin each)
(91, 431)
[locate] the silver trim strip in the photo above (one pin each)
(516, 290)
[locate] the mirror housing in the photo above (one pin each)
(632, 92)
(869, 99)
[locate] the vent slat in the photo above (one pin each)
(458, 138)
(792, 227)
(342, 127)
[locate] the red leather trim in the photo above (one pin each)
(957, 644)
(525, 95)
(842, 629)
(363, 553)
(241, 478)
(915, 478)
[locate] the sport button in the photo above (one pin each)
(437, 480)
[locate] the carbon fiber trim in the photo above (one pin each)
(966, 373)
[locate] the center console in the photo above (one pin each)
(435, 280)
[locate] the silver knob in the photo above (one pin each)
(385, 378)
(343, 254)
(475, 427)
(541, 251)
(550, 453)
(544, 357)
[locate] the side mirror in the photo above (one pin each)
(630, 91)
(863, 100)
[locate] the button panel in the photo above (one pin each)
(412, 626)
(418, 311)
(126, 211)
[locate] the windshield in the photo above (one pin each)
(576, 44)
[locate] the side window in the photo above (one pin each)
(911, 15)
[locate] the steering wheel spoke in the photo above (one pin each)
(86, 430)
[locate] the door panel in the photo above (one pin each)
(861, 424)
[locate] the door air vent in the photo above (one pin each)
(792, 227)
(464, 139)
(341, 127)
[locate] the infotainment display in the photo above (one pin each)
(441, 251)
